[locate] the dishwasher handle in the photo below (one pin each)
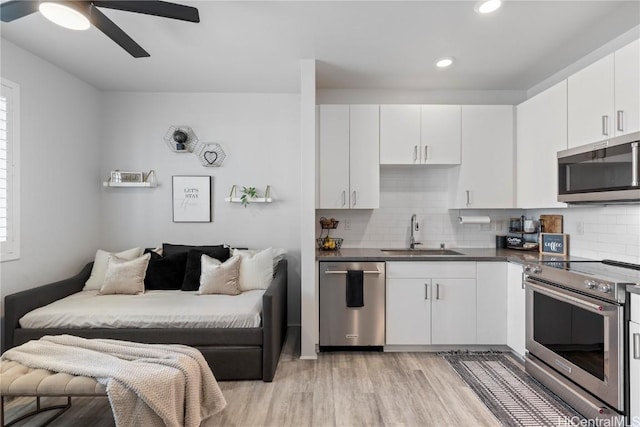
(345, 272)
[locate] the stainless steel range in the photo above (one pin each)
(576, 316)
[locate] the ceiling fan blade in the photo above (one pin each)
(115, 33)
(158, 8)
(14, 9)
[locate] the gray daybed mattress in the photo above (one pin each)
(233, 352)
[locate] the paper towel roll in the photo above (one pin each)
(474, 219)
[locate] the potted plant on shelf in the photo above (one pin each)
(248, 193)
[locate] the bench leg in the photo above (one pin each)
(39, 409)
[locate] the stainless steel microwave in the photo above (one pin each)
(604, 172)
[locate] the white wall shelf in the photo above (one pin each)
(149, 182)
(233, 198)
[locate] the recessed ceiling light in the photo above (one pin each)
(488, 6)
(65, 16)
(444, 62)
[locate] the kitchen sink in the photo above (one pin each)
(420, 252)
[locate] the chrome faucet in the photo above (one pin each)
(416, 227)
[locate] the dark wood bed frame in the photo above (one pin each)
(232, 353)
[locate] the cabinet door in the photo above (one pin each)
(399, 134)
(334, 157)
(364, 154)
(453, 311)
(541, 133)
(440, 134)
(486, 175)
(491, 291)
(408, 313)
(591, 103)
(516, 331)
(634, 373)
(627, 89)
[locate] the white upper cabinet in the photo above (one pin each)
(591, 103)
(627, 89)
(400, 134)
(364, 155)
(604, 98)
(349, 166)
(440, 136)
(485, 178)
(541, 133)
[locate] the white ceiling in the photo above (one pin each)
(255, 46)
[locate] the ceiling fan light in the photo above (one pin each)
(444, 62)
(488, 6)
(65, 16)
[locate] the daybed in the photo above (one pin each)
(235, 353)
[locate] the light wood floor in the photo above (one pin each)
(338, 389)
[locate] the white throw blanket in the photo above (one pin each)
(147, 384)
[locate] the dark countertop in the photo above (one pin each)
(468, 254)
(633, 289)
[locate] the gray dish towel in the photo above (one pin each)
(355, 291)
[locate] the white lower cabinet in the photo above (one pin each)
(453, 311)
(634, 360)
(491, 296)
(431, 303)
(409, 303)
(516, 332)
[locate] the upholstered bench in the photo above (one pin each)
(17, 380)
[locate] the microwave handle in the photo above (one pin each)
(635, 164)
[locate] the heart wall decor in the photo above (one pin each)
(210, 157)
(210, 154)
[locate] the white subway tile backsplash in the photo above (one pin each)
(595, 231)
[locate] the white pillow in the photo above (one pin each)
(256, 270)
(100, 266)
(217, 278)
(277, 253)
(125, 276)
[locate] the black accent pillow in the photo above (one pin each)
(166, 272)
(191, 280)
(217, 251)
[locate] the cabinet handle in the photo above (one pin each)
(468, 198)
(426, 153)
(636, 346)
(605, 125)
(437, 290)
(354, 198)
(344, 197)
(524, 278)
(620, 119)
(415, 153)
(426, 291)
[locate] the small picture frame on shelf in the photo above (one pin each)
(554, 244)
(120, 176)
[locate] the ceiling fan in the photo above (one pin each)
(81, 14)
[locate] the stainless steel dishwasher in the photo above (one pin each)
(341, 325)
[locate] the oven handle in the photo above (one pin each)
(596, 308)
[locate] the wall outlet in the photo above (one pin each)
(579, 228)
(347, 225)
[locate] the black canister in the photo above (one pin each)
(501, 242)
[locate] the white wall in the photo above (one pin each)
(260, 134)
(60, 171)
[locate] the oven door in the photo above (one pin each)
(578, 336)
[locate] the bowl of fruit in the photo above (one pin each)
(329, 243)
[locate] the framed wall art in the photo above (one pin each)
(191, 198)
